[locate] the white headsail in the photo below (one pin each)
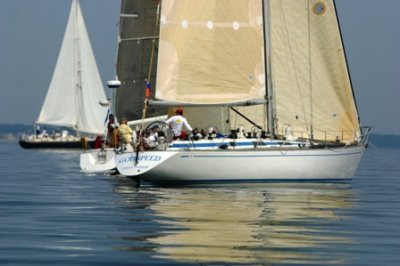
(76, 88)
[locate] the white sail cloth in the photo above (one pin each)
(76, 89)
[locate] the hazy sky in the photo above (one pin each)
(31, 33)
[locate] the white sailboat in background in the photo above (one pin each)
(75, 92)
(275, 72)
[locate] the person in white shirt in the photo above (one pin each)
(151, 137)
(44, 133)
(176, 122)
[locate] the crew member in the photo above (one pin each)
(176, 122)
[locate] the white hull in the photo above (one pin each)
(244, 165)
(55, 142)
(98, 161)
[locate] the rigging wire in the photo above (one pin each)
(147, 95)
(146, 99)
(310, 72)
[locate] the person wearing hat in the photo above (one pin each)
(176, 122)
(126, 134)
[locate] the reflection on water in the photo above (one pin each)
(268, 223)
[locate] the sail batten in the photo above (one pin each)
(76, 88)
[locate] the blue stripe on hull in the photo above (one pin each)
(232, 144)
(264, 156)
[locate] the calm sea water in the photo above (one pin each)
(51, 214)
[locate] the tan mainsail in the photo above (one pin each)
(201, 56)
(310, 77)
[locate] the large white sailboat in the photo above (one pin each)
(75, 92)
(271, 77)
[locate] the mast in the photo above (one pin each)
(310, 74)
(267, 59)
(78, 77)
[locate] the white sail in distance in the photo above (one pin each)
(76, 88)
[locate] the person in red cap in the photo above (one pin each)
(176, 122)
